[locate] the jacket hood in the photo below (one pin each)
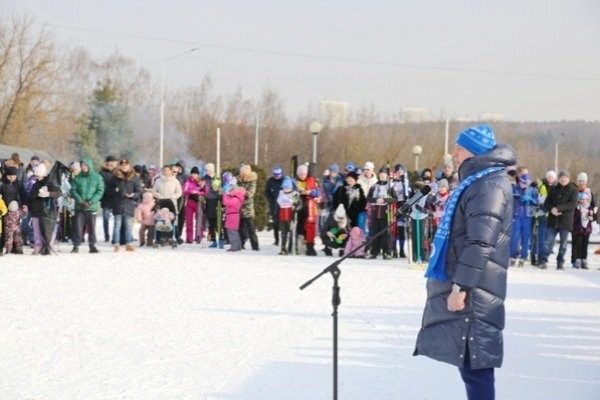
(502, 155)
(88, 161)
(248, 176)
(125, 176)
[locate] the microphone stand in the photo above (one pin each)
(336, 300)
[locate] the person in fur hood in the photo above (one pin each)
(248, 179)
(125, 189)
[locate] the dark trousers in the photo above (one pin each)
(286, 235)
(248, 231)
(276, 235)
(81, 220)
(579, 246)
(479, 383)
(383, 241)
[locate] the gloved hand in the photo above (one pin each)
(85, 205)
(526, 199)
(44, 192)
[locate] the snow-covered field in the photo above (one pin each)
(198, 323)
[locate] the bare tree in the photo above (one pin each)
(27, 78)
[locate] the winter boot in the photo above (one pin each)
(521, 263)
(93, 249)
(327, 251)
(213, 244)
(310, 249)
(402, 254)
(283, 252)
(221, 243)
(577, 264)
(387, 256)
(513, 262)
(534, 261)
(117, 248)
(129, 248)
(584, 264)
(75, 250)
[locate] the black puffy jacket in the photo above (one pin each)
(564, 198)
(477, 259)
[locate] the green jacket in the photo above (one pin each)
(87, 187)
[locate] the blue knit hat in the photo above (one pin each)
(334, 168)
(287, 183)
(350, 166)
(277, 170)
(477, 140)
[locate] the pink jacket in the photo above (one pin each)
(232, 201)
(357, 238)
(190, 186)
(144, 212)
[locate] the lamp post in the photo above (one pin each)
(257, 132)
(417, 150)
(161, 146)
(315, 127)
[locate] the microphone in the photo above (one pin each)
(413, 200)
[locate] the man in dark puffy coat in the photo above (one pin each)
(125, 190)
(87, 189)
(464, 313)
(107, 173)
(560, 203)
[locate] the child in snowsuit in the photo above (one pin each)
(357, 238)
(336, 230)
(13, 240)
(289, 203)
(144, 215)
(233, 198)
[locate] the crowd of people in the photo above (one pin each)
(41, 203)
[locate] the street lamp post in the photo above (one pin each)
(417, 150)
(161, 146)
(315, 128)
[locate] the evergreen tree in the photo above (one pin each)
(110, 120)
(84, 141)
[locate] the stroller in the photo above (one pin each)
(165, 224)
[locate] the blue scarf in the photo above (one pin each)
(437, 261)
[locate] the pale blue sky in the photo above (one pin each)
(536, 38)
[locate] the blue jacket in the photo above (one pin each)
(477, 259)
(525, 201)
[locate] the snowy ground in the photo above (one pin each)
(198, 323)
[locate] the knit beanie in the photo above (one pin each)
(209, 169)
(195, 170)
(353, 175)
(477, 140)
(582, 177)
(340, 212)
(443, 183)
(277, 171)
(40, 170)
(334, 168)
(302, 169)
(564, 173)
(13, 206)
(287, 183)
